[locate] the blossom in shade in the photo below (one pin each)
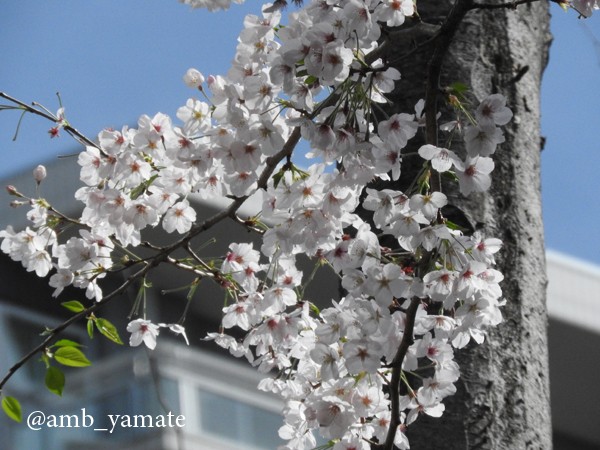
(143, 331)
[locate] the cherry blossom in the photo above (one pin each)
(143, 331)
(180, 217)
(474, 174)
(310, 79)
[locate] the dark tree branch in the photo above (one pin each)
(407, 341)
(510, 5)
(434, 68)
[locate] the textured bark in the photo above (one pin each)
(503, 394)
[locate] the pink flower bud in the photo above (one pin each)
(39, 173)
(13, 190)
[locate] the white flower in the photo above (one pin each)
(327, 356)
(61, 279)
(114, 142)
(482, 140)
(180, 217)
(334, 416)
(397, 130)
(140, 214)
(493, 111)
(143, 331)
(474, 174)
(385, 283)
(236, 315)
(39, 261)
(362, 356)
(441, 158)
(394, 12)
(195, 115)
(428, 204)
(193, 78)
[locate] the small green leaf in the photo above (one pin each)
(71, 356)
(454, 226)
(139, 190)
(303, 72)
(459, 88)
(12, 408)
(73, 305)
(45, 359)
(66, 343)
(55, 380)
(277, 177)
(108, 330)
(298, 173)
(90, 328)
(311, 80)
(315, 309)
(450, 175)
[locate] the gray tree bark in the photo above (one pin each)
(503, 399)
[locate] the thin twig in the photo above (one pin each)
(55, 331)
(83, 139)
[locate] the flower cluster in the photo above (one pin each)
(406, 309)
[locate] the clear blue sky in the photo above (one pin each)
(113, 60)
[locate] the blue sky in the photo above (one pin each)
(113, 60)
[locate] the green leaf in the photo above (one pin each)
(45, 359)
(66, 343)
(299, 173)
(314, 309)
(139, 190)
(108, 330)
(90, 328)
(12, 408)
(73, 305)
(310, 80)
(55, 380)
(277, 178)
(454, 226)
(450, 175)
(71, 356)
(459, 88)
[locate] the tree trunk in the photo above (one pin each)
(503, 399)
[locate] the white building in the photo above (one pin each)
(217, 396)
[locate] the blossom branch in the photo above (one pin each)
(68, 128)
(407, 341)
(163, 254)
